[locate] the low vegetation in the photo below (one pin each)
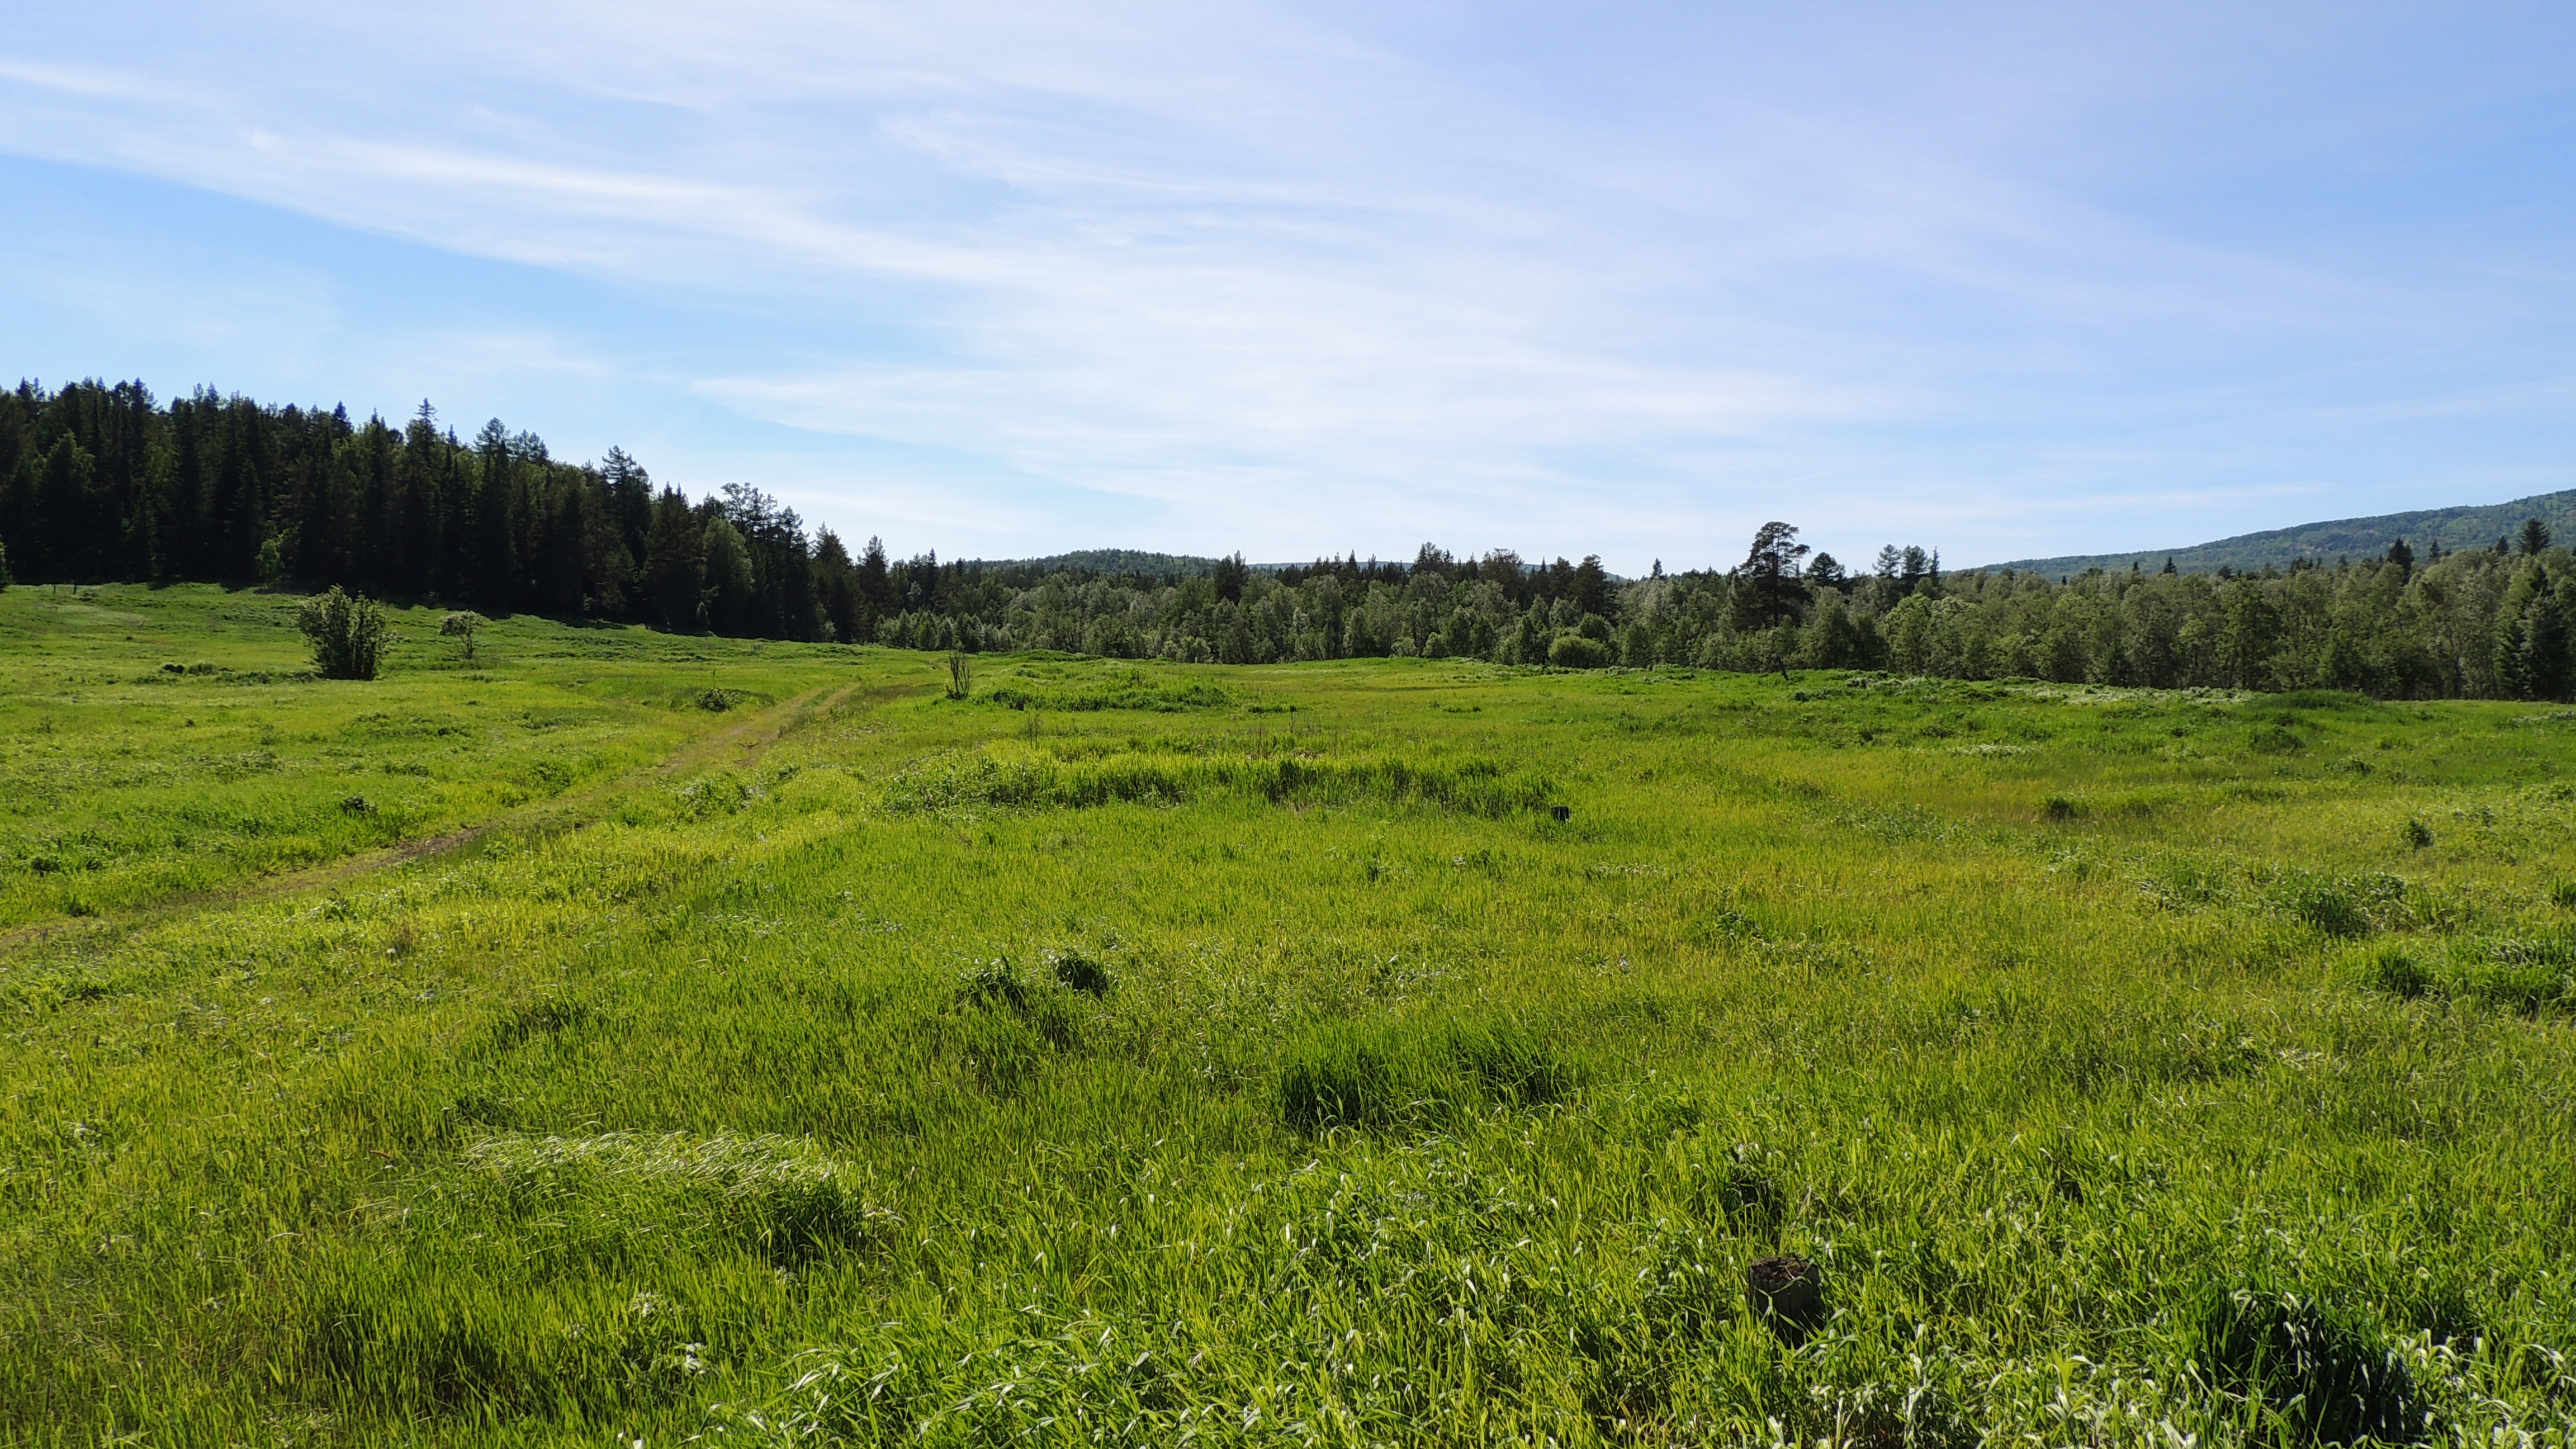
(637, 1038)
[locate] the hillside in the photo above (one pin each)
(1118, 562)
(2453, 528)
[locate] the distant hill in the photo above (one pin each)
(2453, 528)
(1115, 561)
(1125, 561)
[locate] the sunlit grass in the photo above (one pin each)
(1253, 1057)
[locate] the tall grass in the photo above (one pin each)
(875, 1073)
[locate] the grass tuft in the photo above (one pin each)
(1384, 1074)
(2312, 1374)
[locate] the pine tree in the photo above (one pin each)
(1767, 591)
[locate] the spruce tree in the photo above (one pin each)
(674, 574)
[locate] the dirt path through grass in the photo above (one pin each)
(734, 744)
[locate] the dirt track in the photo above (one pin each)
(733, 744)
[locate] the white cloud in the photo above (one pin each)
(1638, 277)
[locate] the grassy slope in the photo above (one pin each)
(2468, 527)
(1407, 1114)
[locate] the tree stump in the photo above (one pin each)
(1787, 1294)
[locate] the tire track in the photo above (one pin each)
(731, 745)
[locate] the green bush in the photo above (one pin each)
(464, 624)
(1575, 651)
(348, 634)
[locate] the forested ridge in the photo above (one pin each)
(2458, 527)
(105, 483)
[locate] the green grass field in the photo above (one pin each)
(624, 1038)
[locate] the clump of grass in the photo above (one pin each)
(1003, 1026)
(2415, 833)
(784, 1196)
(1132, 692)
(1041, 781)
(2315, 1375)
(512, 1283)
(545, 1018)
(2563, 895)
(2395, 971)
(2061, 808)
(2181, 884)
(1081, 973)
(2529, 974)
(1386, 1073)
(2274, 739)
(2330, 909)
(2345, 906)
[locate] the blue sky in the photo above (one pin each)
(1001, 279)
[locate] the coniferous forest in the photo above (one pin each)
(106, 483)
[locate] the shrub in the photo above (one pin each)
(463, 625)
(1576, 651)
(348, 634)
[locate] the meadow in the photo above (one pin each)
(640, 1039)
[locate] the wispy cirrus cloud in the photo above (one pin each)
(1333, 278)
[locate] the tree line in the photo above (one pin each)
(104, 483)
